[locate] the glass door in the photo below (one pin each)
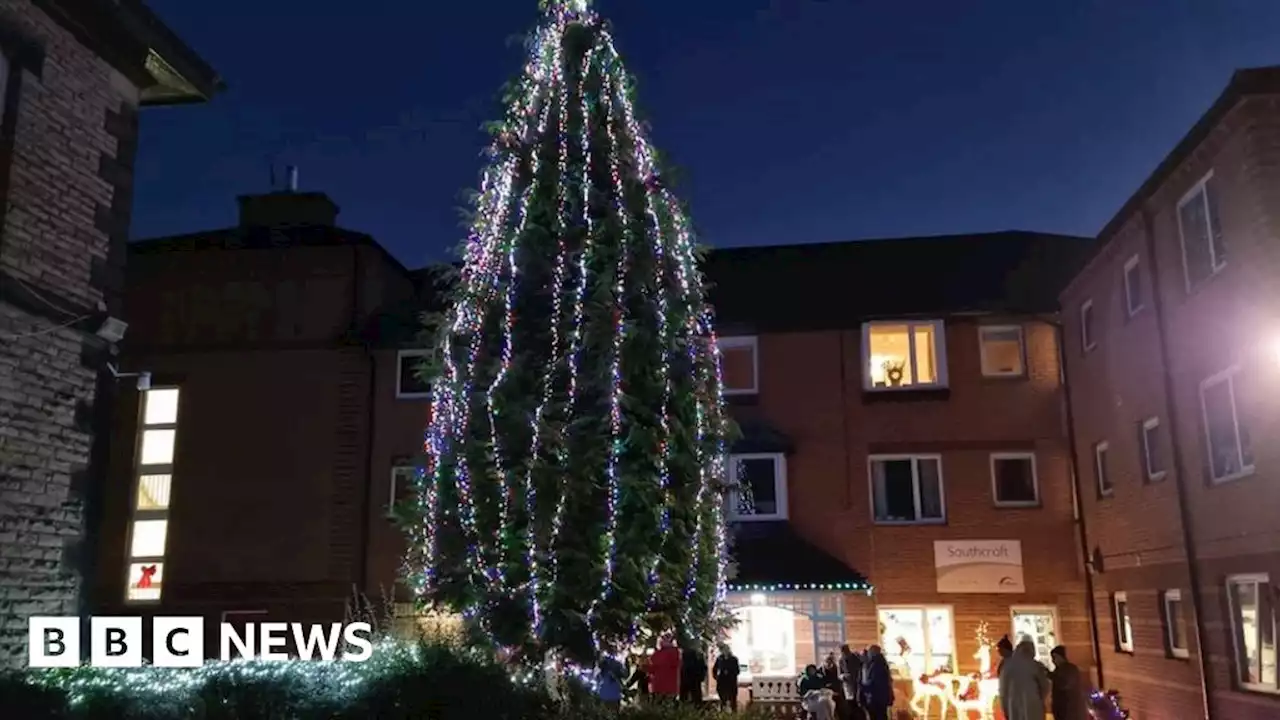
(1040, 624)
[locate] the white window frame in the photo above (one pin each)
(743, 341)
(779, 487)
(939, 354)
(1215, 265)
(1226, 376)
(395, 479)
(1132, 267)
(1170, 618)
(1087, 341)
(1022, 349)
(927, 650)
(915, 487)
(1100, 470)
(136, 515)
(1148, 425)
(1263, 581)
(400, 358)
(1124, 642)
(1035, 480)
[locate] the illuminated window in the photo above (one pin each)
(764, 639)
(738, 368)
(1002, 351)
(904, 355)
(917, 640)
(1203, 251)
(410, 385)
(758, 487)
(153, 486)
(1253, 630)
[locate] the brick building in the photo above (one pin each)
(1173, 352)
(73, 74)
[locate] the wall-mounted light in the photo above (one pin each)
(112, 329)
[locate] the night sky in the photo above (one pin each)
(792, 121)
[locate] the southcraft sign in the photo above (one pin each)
(979, 566)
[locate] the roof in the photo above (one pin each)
(771, 556)
(127, 34)
(838, 285)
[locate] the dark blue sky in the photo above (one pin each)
(792, 120)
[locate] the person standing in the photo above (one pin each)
(1070, 695)
(640, 679)
(664, 672)
(850, 668)
(693, 672)
(726, 672)
(1024, 683)
(609, 677)
(876, 685)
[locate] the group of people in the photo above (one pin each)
(670, 674)
(861, 684)
(1027, 686)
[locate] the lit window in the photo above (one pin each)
(764, 639)
(145, 580)
(160, 407)
(1203, 251)
(1088, 335)
(1253, 629)
(738, 368)
(1132, 286)
(1152, 451)
(1124, 627)
(758, 487)
(926, 634)
(153, 492)
(907, 489)
(1002, 350)
(410, 385)
(157, 447)
(1228, 442)
(1101, 469)
(904, 355)
(402, 479)
(153, 488)
(1013, 479)
(1175, 624)
(148, 538)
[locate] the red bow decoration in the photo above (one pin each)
(144, 582)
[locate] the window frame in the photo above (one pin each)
(742, 341)
(396, 469)
(1263, 583)
(1148, 425)
(1087, 340)
(939, 354)
(1022, 351)
(779, 488)
(1172, 621)
(915, 487)
(1035, 479)
(401, 355)
(1226, 376)
(1200, 187)
(1133, 266)
(1124, 642)
(137, 515)
(1102, 449)
(924, 609)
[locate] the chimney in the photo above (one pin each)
(287, 208)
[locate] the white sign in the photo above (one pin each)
(179, 641)
(979, 566)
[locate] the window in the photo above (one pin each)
(1175, 624)
(907, 489)
(1088, 336)
(1038, 623)
(410, 385)
(1002, 351)
(1203, 250)
(738, 365)
(153, 487)
(758, 487)
(1124, 628)
(1013, 479)
(1132, 286)
(764, 639)
(1100, 468)
(927, 634)
(904, 355)
(402, 480)
(1228, 445)
(1152, 451)
(1253, 629)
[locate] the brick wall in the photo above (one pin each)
(66, 175)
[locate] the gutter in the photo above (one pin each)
(1179, 479)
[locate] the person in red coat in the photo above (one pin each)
(664, 671)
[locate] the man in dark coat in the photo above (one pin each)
(877, 685)
(1070, 693)
(693, 672)
(726, 672)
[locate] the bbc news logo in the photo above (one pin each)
(54, 642)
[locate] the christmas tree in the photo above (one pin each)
(572, 496)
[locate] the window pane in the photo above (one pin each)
(1267, 633)
(153, 492)
(1244, 603)
(157, 447)
(1215, 223)
(940, 640)
(160, 407)
(903, 631)
(1152, 452)
(1133, 287)
(1086, 326)
(758, 490)
(144, 581)
(410, 383)
(1002, 351)
(1177, 638)
(894, 490)
(926, 352)
(930, 489)
(1224, 444)
(148, 538)
(888, 355)
(1104, 478)
(1195, 238)
(737, 367)
(1015, 480)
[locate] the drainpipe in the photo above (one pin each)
(1081, 530)
(1179, 477)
